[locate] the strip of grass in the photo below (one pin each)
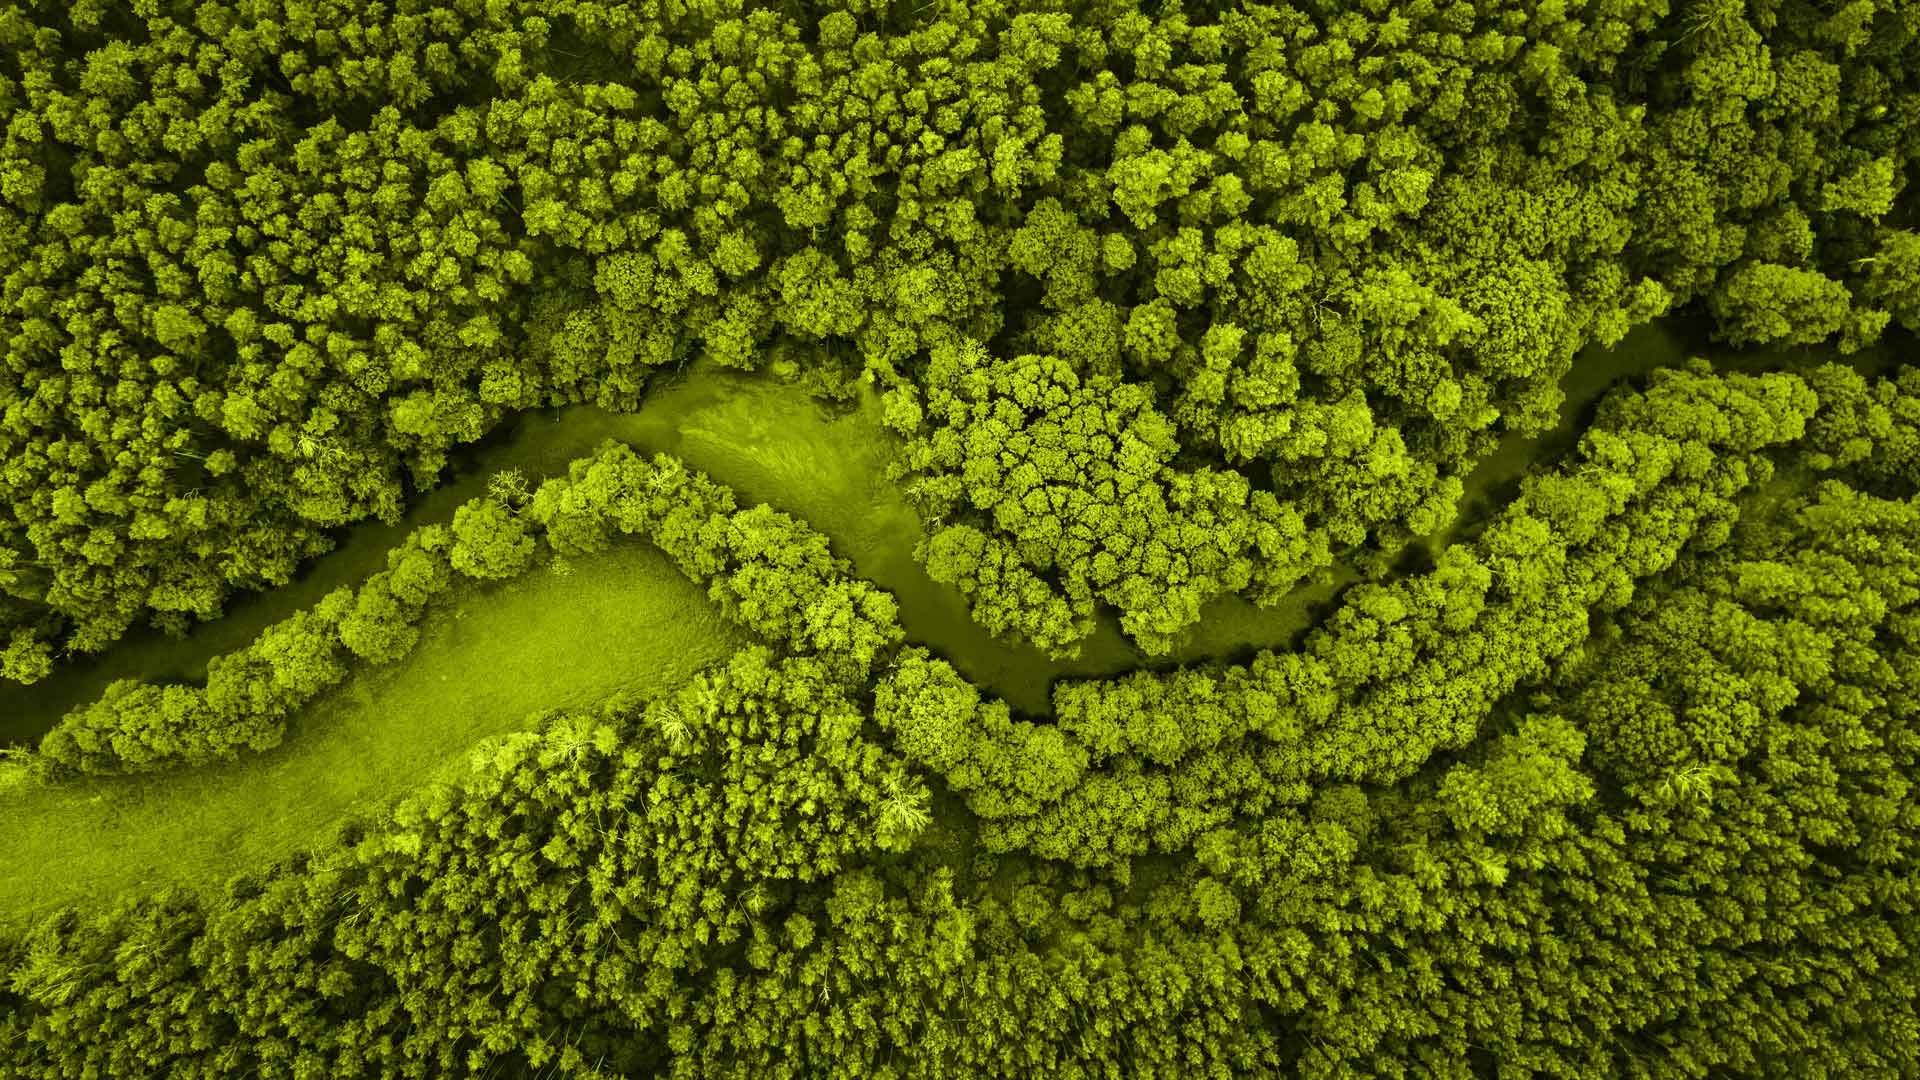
(623, 620)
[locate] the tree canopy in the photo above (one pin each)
(1165, 308)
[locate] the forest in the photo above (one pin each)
(960, 538)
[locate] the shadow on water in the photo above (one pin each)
(772, 443)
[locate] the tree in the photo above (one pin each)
(380, 628)
(1893, 276)
(490, 541)
(1034, 473)
(1770, 304)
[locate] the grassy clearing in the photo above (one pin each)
(622, 620)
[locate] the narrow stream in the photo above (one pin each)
(771, 443)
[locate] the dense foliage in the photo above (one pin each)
(767, 571)
(1078, 483)
(263, 267)
(1678, 845)
(1160, 304)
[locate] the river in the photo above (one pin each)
(772, 443)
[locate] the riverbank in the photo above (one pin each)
(623, 620)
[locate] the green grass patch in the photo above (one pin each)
(622, 620)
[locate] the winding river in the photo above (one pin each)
(772, 443)
(622, 621)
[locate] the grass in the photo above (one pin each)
(15, 773)
(622, 620)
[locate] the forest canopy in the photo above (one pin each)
(266, 273)
(1158, 309)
